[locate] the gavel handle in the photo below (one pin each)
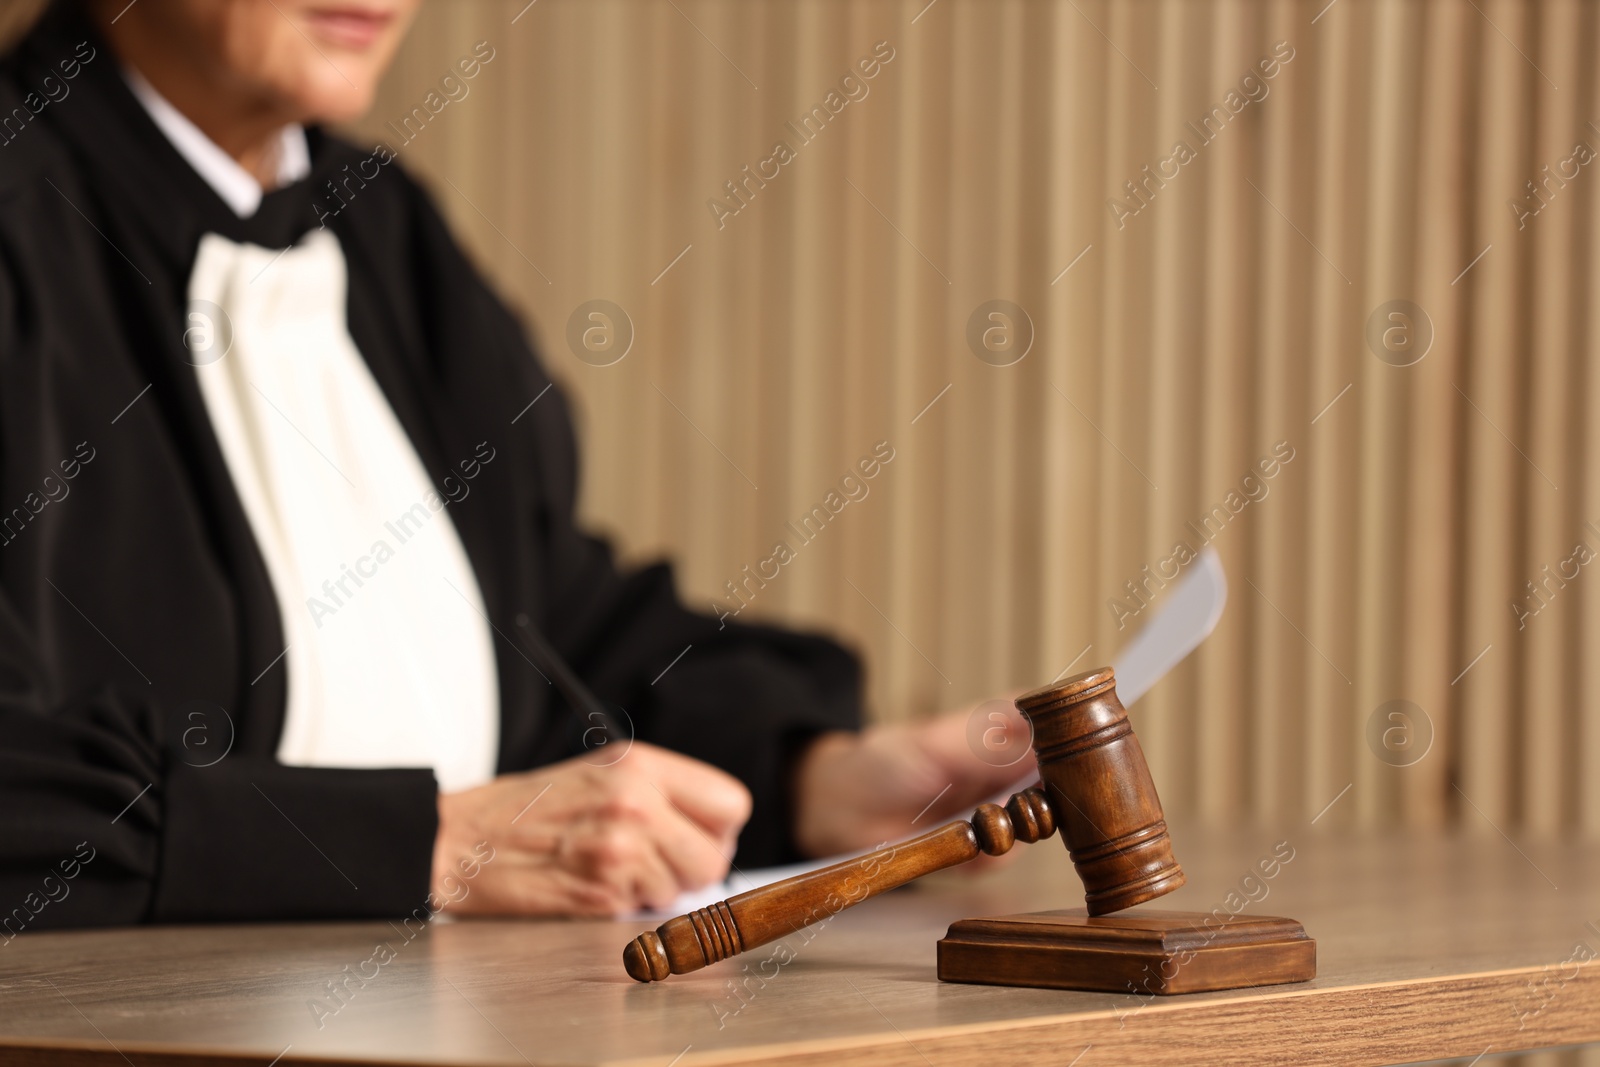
(727, 928)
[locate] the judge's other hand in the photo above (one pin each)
(574, 839)
(856, 790)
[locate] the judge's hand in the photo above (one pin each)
(581, 840)
(856, 790)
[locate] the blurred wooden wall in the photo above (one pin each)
(1173, 348)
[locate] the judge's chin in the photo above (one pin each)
(257, 61)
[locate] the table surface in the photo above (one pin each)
(1430, 946)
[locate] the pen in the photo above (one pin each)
(578, 696)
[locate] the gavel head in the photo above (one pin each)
(1100, 791)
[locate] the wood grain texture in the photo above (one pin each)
(1101, 792)
(1143, 952)
(1427, 947)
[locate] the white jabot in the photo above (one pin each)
(237, 186)
(390, 658)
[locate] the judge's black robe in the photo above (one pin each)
(133, 589)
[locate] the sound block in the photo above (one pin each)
(1139, 952)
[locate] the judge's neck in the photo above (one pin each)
(244, 125)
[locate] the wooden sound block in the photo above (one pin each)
(1139, 952)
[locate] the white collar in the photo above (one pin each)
(237, 186)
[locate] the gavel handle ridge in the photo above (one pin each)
(759, 916)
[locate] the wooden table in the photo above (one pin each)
(1427, 944)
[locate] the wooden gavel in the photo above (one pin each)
(1094, 785)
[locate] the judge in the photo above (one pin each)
(287, 508)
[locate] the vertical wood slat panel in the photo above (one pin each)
(1214, 323)
(1552, 516)
(1226, 384)
(1174, 313)
(1333, 414)
(1497, 489)
(916, 433)
(1384, 271)
(1429, 596)
(1069, 546)
(1116, 409)
(970, 252)
(1586, 753)
(1282, 317)
(923, 447)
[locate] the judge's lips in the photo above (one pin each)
(351, 27)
